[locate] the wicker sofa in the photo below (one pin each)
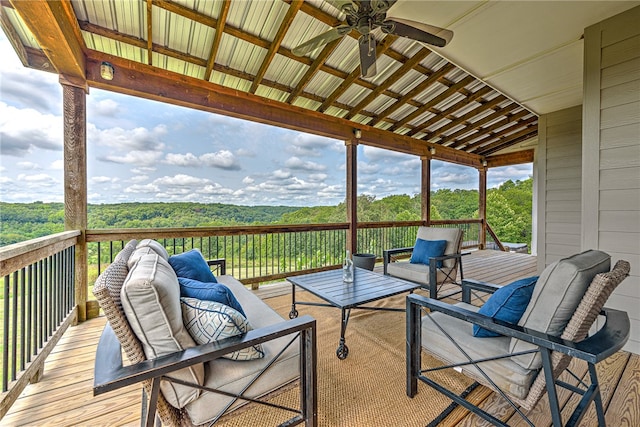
(140, 295)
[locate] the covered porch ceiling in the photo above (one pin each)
(471, 100)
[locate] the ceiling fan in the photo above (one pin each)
(366, 15)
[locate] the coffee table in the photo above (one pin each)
(367, 287)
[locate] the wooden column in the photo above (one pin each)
(425, 185)
(75, 181)
(352, 194)
(482, 206)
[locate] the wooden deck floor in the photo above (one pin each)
(63, 397)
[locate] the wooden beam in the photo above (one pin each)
(13, 37)
(54, 27)
(294, 7)
(222, 20)
(511, 139)
(509, 159)
(501, 112)
(482, 206)
(141, 80)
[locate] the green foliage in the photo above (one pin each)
(508, 213)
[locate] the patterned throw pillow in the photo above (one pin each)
(209, 321)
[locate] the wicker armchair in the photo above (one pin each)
(524, 362)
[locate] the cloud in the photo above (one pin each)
(139, 158)
(223, 159)
(296, 164)
(57, 165)
(103, 179)
(245, 152)
(28, 166)
(138, 139)
(104, 107)
(307, 145)
(21, 137)
(248, 180)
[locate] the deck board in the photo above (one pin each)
(64, 395)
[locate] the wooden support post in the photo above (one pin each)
(482, 207)
(352, 194)
(426, 190)
(75, 181)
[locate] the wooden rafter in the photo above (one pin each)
(507, 138)
(149, 32)
(472, 140)
(421, 87)
(312, 70)
(294, 7)
(355, 74)
(491, 135)
(398, 74)
(507, 159)
(448, 113)
(222, 19)
(470, 126)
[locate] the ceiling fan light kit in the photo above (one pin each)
(364, 16)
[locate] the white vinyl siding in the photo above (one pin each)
(611, 153)
(560, 157)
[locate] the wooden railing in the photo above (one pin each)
(260, 254)
(38, 306)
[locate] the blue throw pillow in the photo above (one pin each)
(425, 249)
(216, 292)
(192, 265)
(507, 304)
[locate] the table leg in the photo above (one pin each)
(343, 351)
(293, 313)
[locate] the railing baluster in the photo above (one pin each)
(14, 331)
(5, 335)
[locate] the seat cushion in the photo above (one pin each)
(151, 302)
(507, 304)
(418, 273)
(210, 321)
(233, 375)
(556, 296)
(507, 375)
(192, 265)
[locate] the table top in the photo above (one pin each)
(367, 286)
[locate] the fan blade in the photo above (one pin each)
(320, 40)
(418, 31)
(367, 45)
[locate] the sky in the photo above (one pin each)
(146, 151)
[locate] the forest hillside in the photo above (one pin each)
(508, 212)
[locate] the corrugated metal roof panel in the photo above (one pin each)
(26, 37)
(240, 55)
(323, 84)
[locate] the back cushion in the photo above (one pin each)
(555, 298)
(151, 301)
(453, 236)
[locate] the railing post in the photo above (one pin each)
(75, 182)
